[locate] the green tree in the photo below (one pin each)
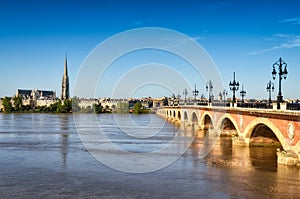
(97, 108)
(59, 107)
(122, 107)
(75, 106)
(17, 103)
(55, 107)
(7, 106)
(137, 109)
(27, 108)
(52, 108)
(67, 106)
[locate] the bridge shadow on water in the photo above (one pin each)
(224, 154)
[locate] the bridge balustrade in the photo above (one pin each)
(293, 106)
(257, 105)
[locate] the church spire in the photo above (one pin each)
(66, 66)
(65, 82)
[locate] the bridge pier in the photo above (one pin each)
(239, 141)
(287, 158)
(201, 127)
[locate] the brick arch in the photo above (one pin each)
(251, 126)
(192, 117)
(179, 115)
(185, 116)
(165, 112)
(228, 116)
(202, 119)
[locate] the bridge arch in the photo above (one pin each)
(206, 120)
(194, 118)
(185, 116)
(258, 121)
(231, 119)
(178, 115)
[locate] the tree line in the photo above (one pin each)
(16, 105)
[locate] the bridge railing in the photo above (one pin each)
(293, 106)
(256, 105)
(221, 104)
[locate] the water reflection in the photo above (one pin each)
(263, 158)
(223, 154)
(64, 137)
(242, 168)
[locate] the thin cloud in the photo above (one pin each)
(295, 20)
(281, 35)
(287, 41)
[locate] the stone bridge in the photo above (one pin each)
(250, 126)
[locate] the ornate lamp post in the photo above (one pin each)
(243, 93)
(195, 93)
(270, 89)
(178, 98)
(234, 86)
(209, 88)
(224, 96)
(281, 73)
(173, 99)
(185, 94)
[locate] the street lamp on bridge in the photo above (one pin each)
(209, 88)
(282, 73)
(234, 86)
(195, 93)
(270, 89)
(178, 98)
(185, 94)
(173, 99)
(243, 93)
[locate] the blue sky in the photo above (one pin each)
(242, 36)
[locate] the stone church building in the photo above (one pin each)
(45, 97)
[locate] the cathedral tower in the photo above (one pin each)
(65, 83)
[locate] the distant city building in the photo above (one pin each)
(159, 102)
(87, 103)
(65, 83)
(35, 94)
(111, 103)
(36, 97)
(25, 94)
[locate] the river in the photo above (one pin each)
(42, 156)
